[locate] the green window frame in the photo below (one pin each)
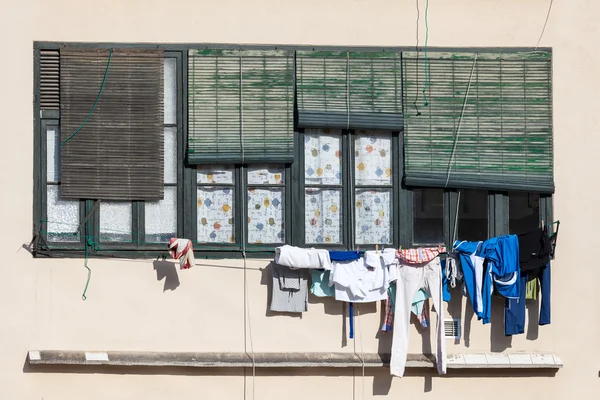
(88, 215)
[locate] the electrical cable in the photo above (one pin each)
(462, 113)
(426, 62)
(95, 102)
(545, 23)
(247, 320)
(417, 60)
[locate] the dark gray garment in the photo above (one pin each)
(290, 289)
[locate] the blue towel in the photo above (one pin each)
(344, 255)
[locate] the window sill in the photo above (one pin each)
(520, 361)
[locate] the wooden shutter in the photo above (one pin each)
(358, 90)
(241, 106)
(49, 79)
(118, 153)
(505, 138)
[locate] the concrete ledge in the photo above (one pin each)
(287, 360)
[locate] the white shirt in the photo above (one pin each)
(356, 283)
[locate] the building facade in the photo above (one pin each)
(137, 302)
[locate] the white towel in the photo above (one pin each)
(296, 257)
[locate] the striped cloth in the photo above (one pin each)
(419, 255)
(181, 249)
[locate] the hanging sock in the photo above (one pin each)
(181, 249)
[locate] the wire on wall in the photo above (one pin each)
(545, 23)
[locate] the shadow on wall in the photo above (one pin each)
(167, 271)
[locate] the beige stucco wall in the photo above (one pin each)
(40, 304)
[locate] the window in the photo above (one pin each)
(260, 148)
(428, 216)
(70, 224)
(218, 191)
(524, 212)
(343, 168)
(473, 213)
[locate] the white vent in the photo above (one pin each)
(452, 328)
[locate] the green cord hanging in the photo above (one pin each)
(95, 103)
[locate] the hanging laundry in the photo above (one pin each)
(356, 283)
(290, 289)
(419, 255)
(472, 269)
(494, 262)
(531, 289)
(420, 308)
(502, 253)
(514, 311)
(296, 257)
(451, 275)
(181, 249)
(388, 318)
(320, 283)
(534, 249)
(336, 255)
(412, 278)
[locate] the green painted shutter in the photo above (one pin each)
(358, 90)
(505, 138)
(241, 106)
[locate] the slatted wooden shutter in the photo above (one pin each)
(118, 153)
(241, 106)
(505, 137)
(360, 90)
(49, 79)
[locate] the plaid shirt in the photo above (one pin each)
(388, 319)
(419, 255)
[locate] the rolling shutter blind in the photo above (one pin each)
(49, 79)
(358, 90)
(118, 153)
(505, 138)
(241, 106)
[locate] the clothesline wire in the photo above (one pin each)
(247, 320)
(545, 23)
(462, 113)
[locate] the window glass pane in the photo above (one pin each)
(170, 91)
(161, 217)
(53, 155)
(272, 175)
(215, 214)
(373, 158)
(265, 216)
(215, 174)
(428, 211)
(523, 211)
(171, 155)
(115, 221)
(373, 216)
(473, 215)
(322, 209)
(63, 217)
(322, 157)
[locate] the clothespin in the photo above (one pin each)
(376, 249)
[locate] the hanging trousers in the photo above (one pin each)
(514, 309)
(411, 278)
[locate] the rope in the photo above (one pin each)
(462, 113)
(247, 321)
(95, 103)
(348, 89)
(87, 244)
(426, 62)
(456, 220)
(545, 23)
